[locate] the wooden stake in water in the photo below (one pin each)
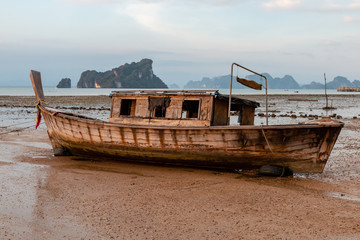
(327, 101)
(326, 93)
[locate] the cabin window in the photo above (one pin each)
(190, 109)
(127, 107)
(158, 106)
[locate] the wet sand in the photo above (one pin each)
(47, 197)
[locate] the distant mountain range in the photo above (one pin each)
(286, 82)
(140, 75)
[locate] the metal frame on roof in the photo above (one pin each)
(266, 87)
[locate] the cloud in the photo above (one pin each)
(334, 6)
(317, 6)
(353, 5)
(212, 2)
(349, 19)
(93, 1)
(281, 4)
(225, 2)
(160, 19)
(305, 5)
(148, 15)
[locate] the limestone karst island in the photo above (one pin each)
(134, 75)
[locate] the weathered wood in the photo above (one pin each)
(37, 85)
(164, 93)
(133, 142)
(220, 113)
(173, 115)
(159, 121)
(300, 147)
(249, 83)
(247, 115)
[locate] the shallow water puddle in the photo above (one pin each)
(344, 196)
(19, 181)
(35, 157)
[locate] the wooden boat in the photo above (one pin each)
(188, 128)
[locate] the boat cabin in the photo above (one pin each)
(178, 108)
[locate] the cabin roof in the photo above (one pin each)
(234, 99)
(165, 92)
(238, 101)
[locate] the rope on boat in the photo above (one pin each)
(263, 132)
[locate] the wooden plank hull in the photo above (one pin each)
(304, 148)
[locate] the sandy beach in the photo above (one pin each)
(47, 197)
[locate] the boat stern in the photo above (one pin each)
(332, 129)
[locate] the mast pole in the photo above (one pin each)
(230, 90)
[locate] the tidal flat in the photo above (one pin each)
(47, 197)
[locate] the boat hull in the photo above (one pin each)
(304, 148)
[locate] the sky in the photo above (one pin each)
(187, 39)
